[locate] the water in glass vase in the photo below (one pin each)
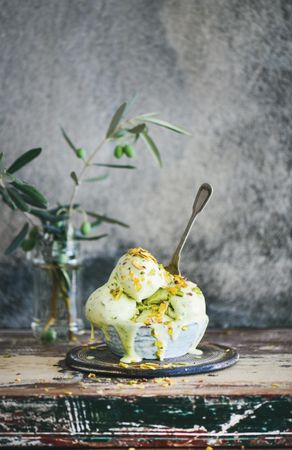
(58, 309)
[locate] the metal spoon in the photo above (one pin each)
(203, 195)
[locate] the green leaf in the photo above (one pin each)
(30, 201)
(100, 178)
(32, 195)
(95, 223)
(44, 215)
(152, 146)
(130, 103)
(17, 240)
(146, 115)
(74, 178)
(119, 134)
(7, 199)
(138, 128)
(24, 159)
(162, 123)
(17, 200)
(68, 140)
(53, 230)
(115, 166)
(107, 219)
(90, 238)
(116, 120)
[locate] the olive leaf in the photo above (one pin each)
(51, 229)
(162, 123)
(68, 140)
(130, 103)
(31, 195)
(31, 200)
(95, 223)
(138, 128)
(142, 116)
(17, 240)
(114, 166)
(116, 120)
(24, 159)
(90, 238)
(152, 146)
(7, 199)
(107, 219)
(44, 215)
(17, 200)
(100, 178)
(119, 134)
(74, 178)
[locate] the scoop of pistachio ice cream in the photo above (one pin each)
(138, 274)
(107, 306)
(188, 301)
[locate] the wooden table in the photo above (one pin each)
(248, 405)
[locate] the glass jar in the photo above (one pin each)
(58, 305)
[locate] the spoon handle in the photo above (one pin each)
(203, 195)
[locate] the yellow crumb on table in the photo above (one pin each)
(67, 392)
(166, 381)
(132, 382)
(124, 365)
(91, 375)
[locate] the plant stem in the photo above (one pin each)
(67, 301)
(53, 309)
(87, 163)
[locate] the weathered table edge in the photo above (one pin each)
(146, 421)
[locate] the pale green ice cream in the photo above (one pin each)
(139, 293)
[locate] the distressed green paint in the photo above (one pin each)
(89, 414)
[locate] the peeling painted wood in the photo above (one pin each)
(248, 404)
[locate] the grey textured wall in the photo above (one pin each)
(221, 68)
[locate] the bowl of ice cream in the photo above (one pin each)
(145, 312)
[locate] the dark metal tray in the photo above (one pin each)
(98, 359)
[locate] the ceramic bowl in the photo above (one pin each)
(145, 342)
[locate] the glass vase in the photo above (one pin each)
(58, 306)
